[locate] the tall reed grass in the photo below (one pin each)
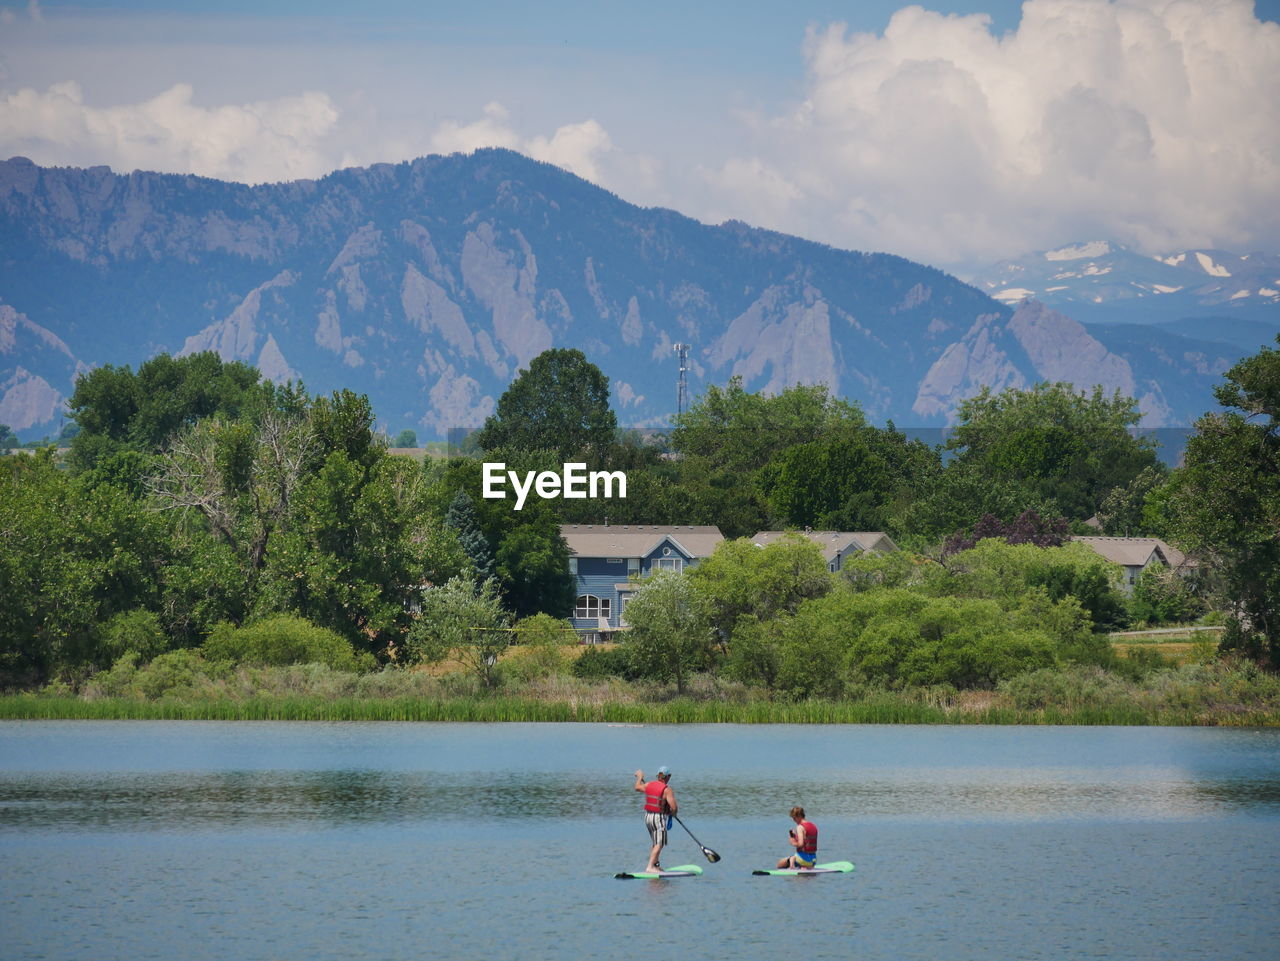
(500, 709)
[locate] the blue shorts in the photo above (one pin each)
(806, 860)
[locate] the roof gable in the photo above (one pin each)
(832, 543)
(639, 540)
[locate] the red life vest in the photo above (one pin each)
(653, 792)
(810, 845)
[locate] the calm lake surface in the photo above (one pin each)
(251, 840)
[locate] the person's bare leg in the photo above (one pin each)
(654, 854)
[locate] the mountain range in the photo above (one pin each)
(1105, 282)
(429, 284)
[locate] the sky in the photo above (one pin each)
(956, 133)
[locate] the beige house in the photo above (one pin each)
(836, 546)
(1136, 554)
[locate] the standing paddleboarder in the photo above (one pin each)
(659, 805)
(804, 838)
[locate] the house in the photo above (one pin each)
(837, 546)
(607, 559)
(1136, 554)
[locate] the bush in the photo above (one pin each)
(1161, 596)
(284, 639)
(541, 639)
(138, 631)
(597, 663)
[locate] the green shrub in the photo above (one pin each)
(541, 639)
(138, 631)
(596, 663)
(1161, 596)
(284, 639)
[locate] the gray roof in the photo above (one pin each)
(833, 542)
(1135, 551)
(637, 540)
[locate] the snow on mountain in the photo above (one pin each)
(1102, 281)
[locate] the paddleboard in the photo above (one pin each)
(831, 867)
(680, 871)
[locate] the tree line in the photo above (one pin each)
(198, 503)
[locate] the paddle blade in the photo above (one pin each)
(711, 855)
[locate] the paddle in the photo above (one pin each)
(707, 852)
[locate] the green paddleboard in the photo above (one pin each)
(831, 867)
(681, 871)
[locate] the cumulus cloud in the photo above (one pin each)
(270, 140)
(576, 147)
(491, 130)
(1153, 122)
(282, 139)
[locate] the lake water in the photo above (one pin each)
(194, 840)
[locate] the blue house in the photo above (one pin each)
(607, 559)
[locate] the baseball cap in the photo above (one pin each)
(664, 770)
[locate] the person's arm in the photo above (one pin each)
(669, 799)
(797, 837)
(639, 785)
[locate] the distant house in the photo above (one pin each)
(1136, 554)
(837, 546)
(604, 559)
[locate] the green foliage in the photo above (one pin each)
(461, 517)
(542, 639)
(857, 480)
(1163, 596)
(461, 619)
(283, 639)
(596, 663)
(965, 491)
(1048, 449)
(406, 438)
(173, 674)
(670, 634)
(742, 431)
(71, 557)
(354, 552)
(560, 404)
(137, 631)
(1224, 504)
(901, 638)
(343, 423)
(1006, 572)
(533, 567)
(530, 557)
(1123, 511)
(117, 409)
(742, 580)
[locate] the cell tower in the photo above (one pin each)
(682, 385)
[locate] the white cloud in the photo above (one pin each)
(575, 147)
(286, 138)
(270, 140)
(491, 130)
(1154, 122)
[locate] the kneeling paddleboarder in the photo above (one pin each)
(804, 838)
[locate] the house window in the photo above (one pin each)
(614, 560)
(591, 606)
(668, 564)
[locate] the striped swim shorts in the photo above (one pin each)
(657, 823)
